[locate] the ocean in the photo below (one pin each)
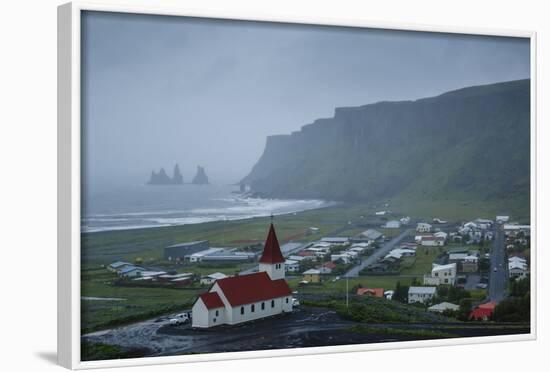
(143, 206)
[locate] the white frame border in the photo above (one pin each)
(68, 322)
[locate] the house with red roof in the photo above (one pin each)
(483, 312)
(375, 292)
(244, 298)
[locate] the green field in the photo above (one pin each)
(101, 249)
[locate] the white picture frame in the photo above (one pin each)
(69, 197)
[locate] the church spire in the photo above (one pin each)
(272, 252)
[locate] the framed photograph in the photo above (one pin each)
(313, 185)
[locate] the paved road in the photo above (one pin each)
(379, 253)
(498, 279)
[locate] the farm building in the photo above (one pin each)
(179, 251)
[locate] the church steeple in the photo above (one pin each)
(272, 260)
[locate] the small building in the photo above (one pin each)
(177, 252)
(442, 307)
(312, 276)
(423, 227)
(517, 270)
(470, 264)
(118, 266)
(292, 266)
(441, 274)
(337, 240)
(502, 219)
(131, 271)
(374, 292)
(441, 234)
(211, 278)
(483, 312)
(432, 241)
(393, 224)
(198, 256)
(421, 294)
(405, 220)
(371, 234)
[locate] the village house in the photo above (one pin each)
(370, 235)
(483, 312)
(211, 278)
(243, 298)
(441, 274)
(423, 227)
(374, 292)
(517, 267)
(393, 224)
(312, 276)
(442, 307)
(292, 266)
(336, 240)
(405, 220)
(421, 294)
(469, 264)
(432, 241)
(118, 266)
(131, 271)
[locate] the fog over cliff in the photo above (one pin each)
(164, 90)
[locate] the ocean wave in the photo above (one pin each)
(237, 209)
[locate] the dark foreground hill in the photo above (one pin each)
(471, 143)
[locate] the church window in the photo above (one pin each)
(272, 303)
(242, 310)
(252, 308)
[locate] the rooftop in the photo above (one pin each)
(422, 290)
(212, 300)
(187, 243)
(246, 289)
(272, 252)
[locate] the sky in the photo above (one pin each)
(160, 90)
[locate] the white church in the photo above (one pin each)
(244, 298)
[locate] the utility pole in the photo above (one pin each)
(347, 292)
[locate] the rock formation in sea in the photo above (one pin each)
(161, 178)
(200, 178)
(177, 178)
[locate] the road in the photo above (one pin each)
(379, 253)
(498, 279)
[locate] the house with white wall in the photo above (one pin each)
(421, 294)
(244, 298)
(423, 227)
(441, 274)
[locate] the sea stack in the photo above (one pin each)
(200, 178)
(177, 178)
(161, 178)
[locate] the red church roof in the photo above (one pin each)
(211, 300)
(272, 252)
(247, 289)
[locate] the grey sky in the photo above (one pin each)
(159, 90)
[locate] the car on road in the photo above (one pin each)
(295, 302)
(336, 279)
(495, 269)
(481, 285)
(179, 319)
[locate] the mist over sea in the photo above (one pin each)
(142, 206)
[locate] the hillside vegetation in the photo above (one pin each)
(468, 144)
